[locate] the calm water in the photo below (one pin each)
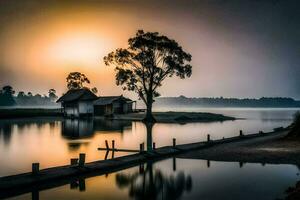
(191, 179)
(53, 141)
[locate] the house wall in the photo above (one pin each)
(71, 110)
(109, 109)
(117, 107)
(127, 107)
(86, 107)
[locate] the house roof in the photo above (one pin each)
(110, 99)
(77, 94)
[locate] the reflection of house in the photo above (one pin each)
(78, 102)
(112, 104)
(84, 128)
(82, 102)
(76, 129)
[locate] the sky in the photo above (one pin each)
(239, 48)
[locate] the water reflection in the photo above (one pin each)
(75, 129)
(7, 127)
(85, 128)
(193, 180)
(154, 184)
(5, 132)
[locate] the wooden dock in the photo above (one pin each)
(53, 177)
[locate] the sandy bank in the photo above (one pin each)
(273, 149)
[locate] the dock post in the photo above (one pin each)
(208, 138)
(106, 154)
(141, 147)
(153, 146)
(174, 142)
(113, 144)
(74, 161)
(241, 133)
(260, 132)
(35, 168)
(81, 160)
(106, 144)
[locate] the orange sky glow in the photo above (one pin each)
(42, 43)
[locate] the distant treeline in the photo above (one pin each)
(8, 97)
(275, 102)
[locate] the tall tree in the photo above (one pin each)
(76, 80)
(6, 96)
(21, 94)
(8, 90)
(149, 59)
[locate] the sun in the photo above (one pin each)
(79, 48)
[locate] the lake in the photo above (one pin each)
(53, 141)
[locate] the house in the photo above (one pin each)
(82, 102)
(108, 105)
(78, 102)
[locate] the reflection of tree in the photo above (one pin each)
(6, 132)
(153, 184)
(149, 127)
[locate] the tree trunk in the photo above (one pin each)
(149, 116)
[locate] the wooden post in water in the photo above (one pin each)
(106, 144)
(208, 138)
(106, 154)
(113, 144)
(81, 160)
(35, 168)
(241, 133)
(141, 147)
(74, 161)
(260, 132)
(153, 146)
(174, 142)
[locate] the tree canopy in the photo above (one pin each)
(149, 59)
(76, 80)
